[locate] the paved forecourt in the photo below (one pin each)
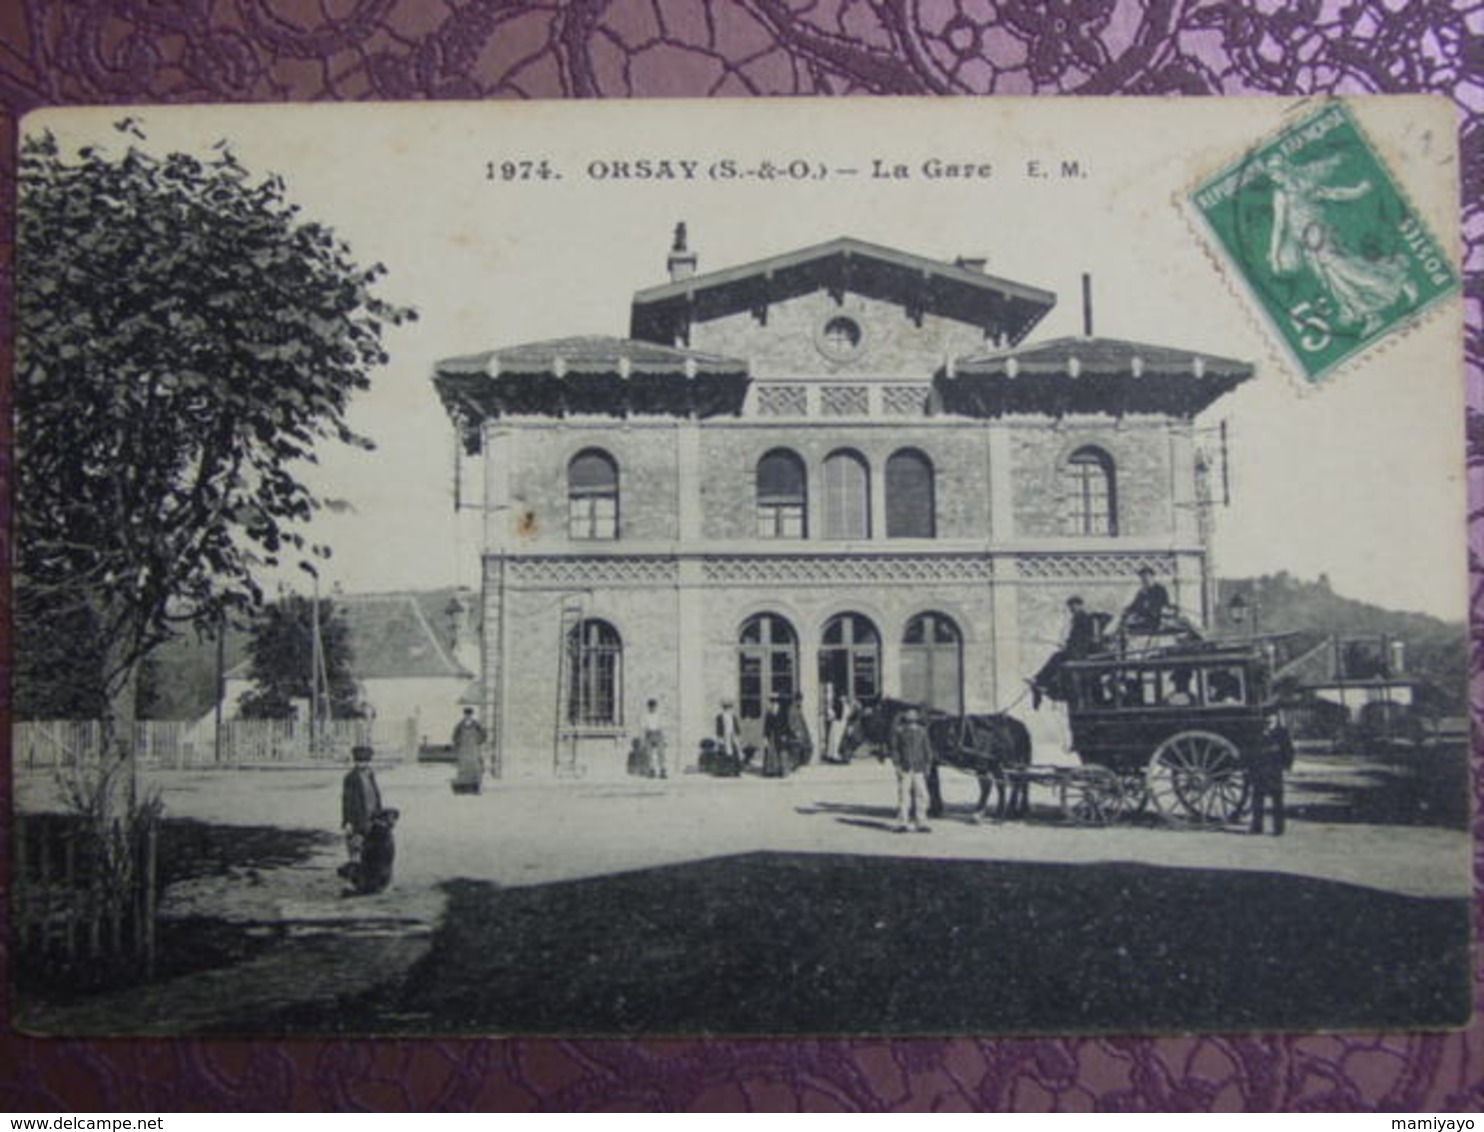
(534, 832)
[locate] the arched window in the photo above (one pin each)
(932, 662)
(850, 657)
(847, 496)
(1091, 501)
(911, 508)
(782, 497)
(595, 682)
(592, 495)
(767, 663)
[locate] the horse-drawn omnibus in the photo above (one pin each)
(1169, 727)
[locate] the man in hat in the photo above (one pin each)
(360, 801)
(912, 758)
(1146, 613)
(775, 736)
(1084, 636)
(1266, 764)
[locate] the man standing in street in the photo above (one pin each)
(1265, 769)
(912, 758)
(360, 801)
(654, 739)
(775, 729)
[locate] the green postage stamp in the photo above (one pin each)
(1325, 239)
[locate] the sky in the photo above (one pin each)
(1360, 479)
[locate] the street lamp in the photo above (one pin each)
(1238, 608)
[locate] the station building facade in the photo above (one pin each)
(842, 469)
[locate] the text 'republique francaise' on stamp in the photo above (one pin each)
(1325, 239)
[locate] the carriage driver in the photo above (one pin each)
(1151, 611)
(1084, 637)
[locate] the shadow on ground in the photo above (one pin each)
(1426, 788)
(785, 944)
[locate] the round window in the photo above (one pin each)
(840, 338)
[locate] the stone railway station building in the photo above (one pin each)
(841, 468)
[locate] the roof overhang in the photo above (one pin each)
(1088, 376)
(614, 377)
(1004, 310)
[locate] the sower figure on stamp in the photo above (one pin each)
(913, 758)
(468, 747)
(1266, 765)
(1084, 637)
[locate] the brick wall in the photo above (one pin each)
(894, 345)
(1140, 451)
(730, 452)
(646, 454)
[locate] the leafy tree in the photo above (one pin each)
(186, 340)
(281, 660)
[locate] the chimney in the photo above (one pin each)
(682, 261)
(1086, 305)
(973, 263)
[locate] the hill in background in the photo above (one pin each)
(1437, 650)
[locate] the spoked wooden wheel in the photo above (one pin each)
(1196, 778)
(1093, 796)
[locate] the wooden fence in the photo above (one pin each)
(84, 898)
(173, 745)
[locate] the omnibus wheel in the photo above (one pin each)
(1197, 778)
(1093, 796)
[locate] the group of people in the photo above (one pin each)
(787, 744)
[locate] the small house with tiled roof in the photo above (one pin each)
(414, 658)
(842, 470)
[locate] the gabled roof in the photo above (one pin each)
(391, 638)
(1089, 375)
(592, 374)
(1000, 307)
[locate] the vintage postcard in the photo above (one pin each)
(890, 567)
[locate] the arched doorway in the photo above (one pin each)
(849, 659)
(767, 666)
(933, 662)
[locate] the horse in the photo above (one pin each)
(990, 747)
(985, 746)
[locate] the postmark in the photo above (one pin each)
(1325, 240)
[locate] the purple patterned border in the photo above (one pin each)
(58, 52)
